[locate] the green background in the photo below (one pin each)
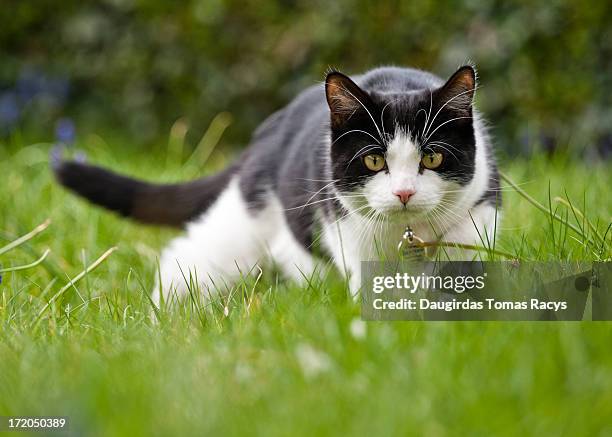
(137, 66)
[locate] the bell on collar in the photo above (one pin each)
(407, 247)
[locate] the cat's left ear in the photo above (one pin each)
(458, 92)
(344, 98)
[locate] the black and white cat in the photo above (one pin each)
(345, 166)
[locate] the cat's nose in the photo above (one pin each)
(404, 195)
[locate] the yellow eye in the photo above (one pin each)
(432, 160)
(374, 162)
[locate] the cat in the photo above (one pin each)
(345, 167)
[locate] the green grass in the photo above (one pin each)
(276, 359)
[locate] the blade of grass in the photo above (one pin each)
(176, 143)
(463, 246)
(567, 203)
(27, 266)
(209, 140)
(539, 206)
(19, 241)
(71, 283)
(154, 308)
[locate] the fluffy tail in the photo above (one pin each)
(171, 204)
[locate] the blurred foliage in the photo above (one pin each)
(137, 66)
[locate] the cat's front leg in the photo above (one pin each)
(346, 249)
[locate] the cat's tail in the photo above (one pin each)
(159, 204)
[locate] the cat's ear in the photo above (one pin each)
(344, 98)
(458, 92)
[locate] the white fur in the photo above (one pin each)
(229, 241)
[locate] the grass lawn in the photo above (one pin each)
(276, 359)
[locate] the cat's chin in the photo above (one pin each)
(406, 214)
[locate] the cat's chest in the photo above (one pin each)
(376, 239)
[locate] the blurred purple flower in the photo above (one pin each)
(32, 83)
(9, 109)
(31, 87)
(65, 131)
(29, 84)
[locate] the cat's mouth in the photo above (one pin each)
(401, 212)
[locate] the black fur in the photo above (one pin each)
(290, 154)
(171, 205)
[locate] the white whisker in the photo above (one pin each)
(356, 130)
(442, 124)
(447, 102)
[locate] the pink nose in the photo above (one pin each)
(404, 195)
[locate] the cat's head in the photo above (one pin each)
(401, 152)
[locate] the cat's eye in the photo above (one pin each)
(432, 160)
(374, 162)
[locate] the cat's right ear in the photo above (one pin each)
(344, 98)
